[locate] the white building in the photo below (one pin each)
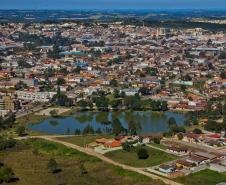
(35, 96)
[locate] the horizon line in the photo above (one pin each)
(104, 9)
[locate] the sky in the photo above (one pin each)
(112, 4)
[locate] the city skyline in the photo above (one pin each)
(113, 4)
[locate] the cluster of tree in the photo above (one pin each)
(136, 103)
(174, 128)
(6, 143)
(215, 126)
(38, 40)
(54, 53)
(127, 146)
(61, 99)
(175, 24)
(21, 130)
(8, 121)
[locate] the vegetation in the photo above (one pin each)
(6, 174)
(21, 130)
(207, 177)
(32, 168)
(83, 140)
(8, 121)
(130, 158)
(53, 166)
(6, 143)
(142, 153)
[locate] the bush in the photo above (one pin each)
(142, 153)
(53, 166)
(156, 140)
(7, 143)
(172, 122)
(197, 131)
(6, 174)
(126, 146)
(180, 136)
(21, 131)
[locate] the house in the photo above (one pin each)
(197, 160)
(208, 157)
(177, 150)
(112, 144)
(191, 137)
(166, 168)
(130, 92)
(184, 164)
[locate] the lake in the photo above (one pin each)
(144, 121)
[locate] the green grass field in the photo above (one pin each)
(30, 166)
(205, 177)
(83, 140)
(130, 158)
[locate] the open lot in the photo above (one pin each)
(31, 167)
(205, 177)
(130, 158)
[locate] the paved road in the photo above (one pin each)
(103, 158)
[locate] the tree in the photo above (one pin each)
(60, 81)
(98, 131)
(68, 131)
(83, 104)
(53, 166)
(88, 130)
(6, 174)
(115, 104)
(116, 93)
(82, 168)
(156, 140)
(77, 131)
(197, 131)
(133, 102)
(60, 98)
(144, 91)
(117, 127)
(180, 136)
(102, 103)
(54, 53)
(172, 122)
(21, 131)
(77, 70)
(142, 153)
(53, 113)
(113, 83)
(126, 146)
